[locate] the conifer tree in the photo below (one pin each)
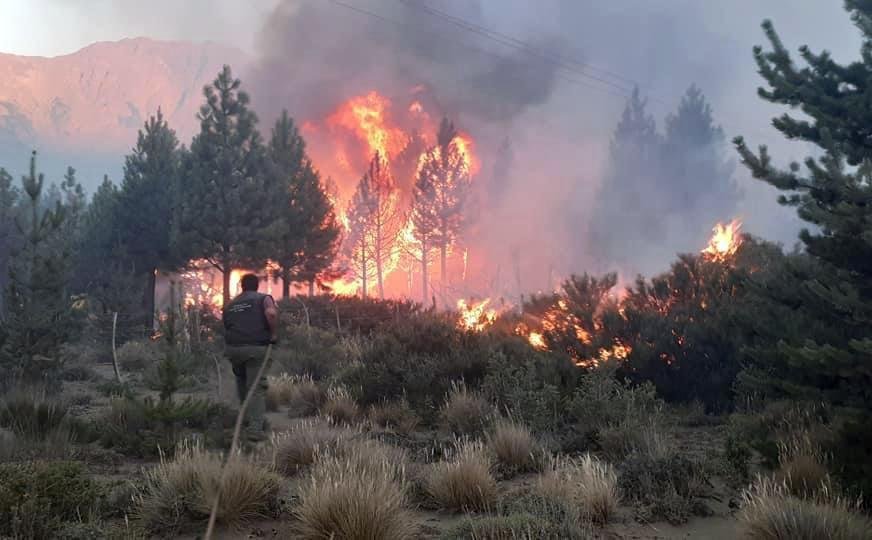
(38, 317)
(305, 244)
(145, 204)
(699, 175)
(441, 191)
(225, 209)
(626, 215)
(9, 196)
(833, 194)
(375, 221)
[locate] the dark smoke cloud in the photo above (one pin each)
(315, 53)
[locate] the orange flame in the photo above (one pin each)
(725, 241)
(475, 317)
(367, 117)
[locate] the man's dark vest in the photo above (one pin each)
(245, 322)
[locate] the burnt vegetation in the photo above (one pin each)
(735, 382)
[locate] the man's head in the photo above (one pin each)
(249, 282)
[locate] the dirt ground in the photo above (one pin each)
(696, 441)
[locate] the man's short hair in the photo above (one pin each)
(249, 282)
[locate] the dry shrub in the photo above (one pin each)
(465, 411)
(183, 490)
(306, 397)
(801, 466)
(395, 415)
(279, 390)
(340, 407)
(138, 355)
(464, 481)
(514, 446)
(301, 446)
(357, 495)
(770, 513)
(587, 484)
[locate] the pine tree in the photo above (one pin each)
(9, 196)
(441, 192)
(699, 176)
(38, 316)
(375, 222)
(307, 240)
(225, 209)
(145, 204)
(833, 195)
(627, 215)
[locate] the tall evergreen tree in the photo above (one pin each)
(626, 215)
(305, 244)
(441, 192)
(225, 207)
(38, 317)
(834, 195)
(9, 196)
(829, 361)
(145, 204)
(698, 173)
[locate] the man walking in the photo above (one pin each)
(250, 323)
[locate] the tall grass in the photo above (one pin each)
(358, 495)
(464, 481)
(770, 512)
(587, 485)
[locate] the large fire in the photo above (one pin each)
(475, 316)
(725, 241)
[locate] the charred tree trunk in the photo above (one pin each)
(378, 260)
(424, 272)
(443, 263)
(364, 270)
(286, 283)
(311, 288)
(225, 283)
(148, 301)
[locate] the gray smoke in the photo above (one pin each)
(316, 53)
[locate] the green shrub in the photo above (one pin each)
(139, 355)
(141, 427)
(851, 457)
(418, 358)
(664, 487)
(310, 352)
(37, 498)
(532, 387)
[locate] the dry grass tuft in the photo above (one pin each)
(513, 446)
(359, 495)
(770, 513)
(305, 396)
(465, 412)
(463, 482)
(801, 466)
(182, 490)
(394, 415)
(301, 446)
(587, 484)
(340, 407)
(279, 390)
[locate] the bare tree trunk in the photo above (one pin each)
(424, 272)
(363, 275)
(225, 284)
(378, 261)
(443, 268)
(286, 283)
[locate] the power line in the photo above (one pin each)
(510, 41)
(621, 92)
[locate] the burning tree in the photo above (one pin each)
(374, 224)
(307, 233)
(441, 191)
(225, 208)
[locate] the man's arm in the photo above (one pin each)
(272, 316)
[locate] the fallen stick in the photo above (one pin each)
(234, 443)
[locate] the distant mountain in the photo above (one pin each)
(84, 109)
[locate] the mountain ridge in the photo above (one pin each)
(87, 106)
